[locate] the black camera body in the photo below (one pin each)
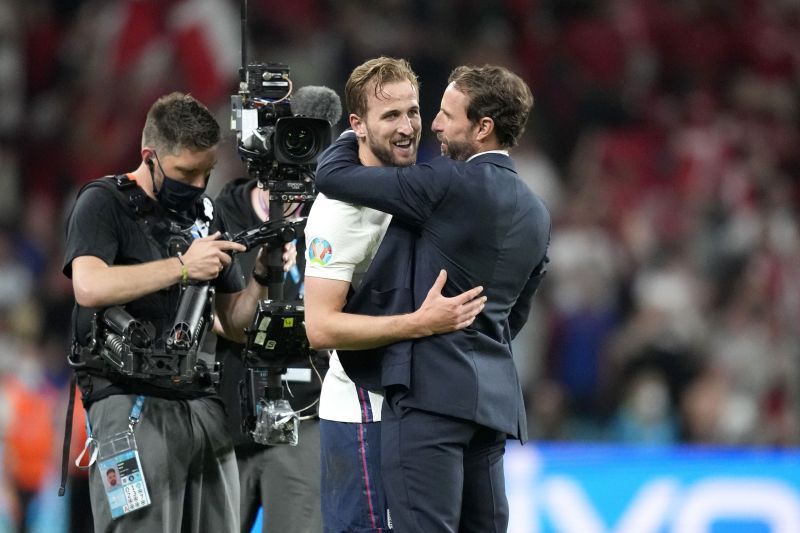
(269, 81)
(277, 338)
(279, 148)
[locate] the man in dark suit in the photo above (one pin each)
(451, 399)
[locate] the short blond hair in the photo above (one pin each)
(373, 75)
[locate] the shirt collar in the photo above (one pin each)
(502, 152)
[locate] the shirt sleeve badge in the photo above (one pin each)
(320, 251)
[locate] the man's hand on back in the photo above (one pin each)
(440, 314)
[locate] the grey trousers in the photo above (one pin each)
(187, 461)
(285, 480)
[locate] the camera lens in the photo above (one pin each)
(299, 142)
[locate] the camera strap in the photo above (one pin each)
(145, 210)
(67, 434)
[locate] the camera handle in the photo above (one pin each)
(274, 388)
(275, 256)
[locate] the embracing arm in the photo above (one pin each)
(410, 193)
(328, 327)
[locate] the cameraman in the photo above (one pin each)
(284, 480)
(135, 240)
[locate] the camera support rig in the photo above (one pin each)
(275, 341)
(280, 149)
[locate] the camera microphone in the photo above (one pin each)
(317, 101)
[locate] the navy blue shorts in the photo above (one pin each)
(351, 488)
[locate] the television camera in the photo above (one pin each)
(280, 133)
(279, 141)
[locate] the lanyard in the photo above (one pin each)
(91, 442)
(136, 412)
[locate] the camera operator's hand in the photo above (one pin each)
(289, 257)
(207, 256)
(440, 314)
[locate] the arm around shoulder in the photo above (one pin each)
(342, 152)
(410, 193)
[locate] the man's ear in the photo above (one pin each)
(147, 157)
(485, 129)
(358, 126)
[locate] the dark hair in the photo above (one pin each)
(497, 93)
(374, 74)
(178, 121)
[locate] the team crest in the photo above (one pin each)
(319, 252)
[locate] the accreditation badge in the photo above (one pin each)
(121, 471)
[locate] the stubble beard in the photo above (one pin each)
(458, 150)
(385, 155)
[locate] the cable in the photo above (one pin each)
(315, 402)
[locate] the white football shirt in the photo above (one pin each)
(341, 241)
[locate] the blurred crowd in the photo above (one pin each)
(664, 140)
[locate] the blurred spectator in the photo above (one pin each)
(645, 414)
(12, 96)
(585, 306)
(27, 430)
(16, 281)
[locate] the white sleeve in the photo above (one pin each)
(336, 239)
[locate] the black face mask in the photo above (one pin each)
(175, 194)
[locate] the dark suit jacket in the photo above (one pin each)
(482, 224)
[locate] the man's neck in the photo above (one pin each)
(366, 156)
(144, 180)
(489, 145)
